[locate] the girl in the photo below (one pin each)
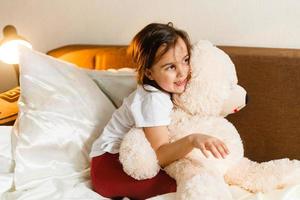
(162, 54)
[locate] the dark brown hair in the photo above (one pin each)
(144, 46)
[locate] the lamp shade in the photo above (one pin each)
(9, 45)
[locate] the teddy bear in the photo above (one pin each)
(211, 94)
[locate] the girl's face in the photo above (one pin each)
(171, 71)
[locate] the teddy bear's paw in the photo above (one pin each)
(266, 176)
(278, 174)
(292, 175)
(137, 156)
(205, 187)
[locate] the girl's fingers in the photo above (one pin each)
(204, 151)
(217, 148)
(225, 148)
(214, 150)
(221, 150)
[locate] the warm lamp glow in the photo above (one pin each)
(9, 45)
(9, 51)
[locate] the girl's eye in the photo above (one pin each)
(171, 67)
(187, 60)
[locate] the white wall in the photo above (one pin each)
(52, 23)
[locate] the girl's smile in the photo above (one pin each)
(181, 83)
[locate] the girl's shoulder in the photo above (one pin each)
(150, 93)
(149, 96)
(151, 107)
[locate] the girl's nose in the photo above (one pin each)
(180, 71)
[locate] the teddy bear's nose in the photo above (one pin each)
(247, 98)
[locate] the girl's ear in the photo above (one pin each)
(148, 74)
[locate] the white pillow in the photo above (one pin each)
(61, 112)
(116, 84)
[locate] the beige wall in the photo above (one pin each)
(52, 23)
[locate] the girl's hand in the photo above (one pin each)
(208, 143)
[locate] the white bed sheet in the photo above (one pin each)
(60, 190)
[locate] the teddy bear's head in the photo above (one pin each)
(212, 89)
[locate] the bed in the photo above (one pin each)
(269, 125)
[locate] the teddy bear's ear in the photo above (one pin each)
(203, 44)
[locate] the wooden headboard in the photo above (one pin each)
(97, 57)
(269, 125)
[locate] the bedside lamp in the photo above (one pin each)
(9, 47)
(9, 44)
(9, 54)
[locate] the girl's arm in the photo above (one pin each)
(169, 152)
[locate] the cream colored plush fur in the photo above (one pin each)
(211, 94)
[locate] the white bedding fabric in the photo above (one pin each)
(60, 190)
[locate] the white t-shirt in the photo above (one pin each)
(140, 109)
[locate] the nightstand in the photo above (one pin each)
(8, 106)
